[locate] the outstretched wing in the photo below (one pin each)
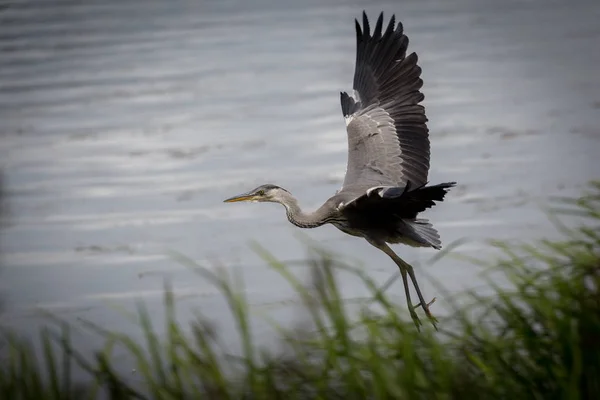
(388, 139)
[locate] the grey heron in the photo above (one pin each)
(385, 186)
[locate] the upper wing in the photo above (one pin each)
(388, 139)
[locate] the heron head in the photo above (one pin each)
(263, 193)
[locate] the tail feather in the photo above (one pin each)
(425, 233)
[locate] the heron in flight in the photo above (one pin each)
(385, 186)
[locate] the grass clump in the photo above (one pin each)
(536, 338)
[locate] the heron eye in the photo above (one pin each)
(261, 193)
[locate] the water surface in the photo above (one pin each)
(124, 125)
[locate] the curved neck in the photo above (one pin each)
(298, 217)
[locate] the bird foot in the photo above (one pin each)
(426, 305)
(415, 318)
(432, 319)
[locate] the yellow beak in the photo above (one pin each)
(243, 197)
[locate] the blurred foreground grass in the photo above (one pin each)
(537, 338)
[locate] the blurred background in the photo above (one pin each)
(124, 124)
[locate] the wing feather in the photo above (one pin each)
(388, 138)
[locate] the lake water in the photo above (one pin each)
(124, 124)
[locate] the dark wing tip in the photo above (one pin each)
(366, 26)
(378, 56)
(378, 27)
(364, 31)
(358, 30)
(391, 25)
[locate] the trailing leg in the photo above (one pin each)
(407, 269)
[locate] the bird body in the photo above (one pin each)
(385, 185)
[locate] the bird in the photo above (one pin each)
(385, 186)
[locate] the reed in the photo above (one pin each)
(536, 338)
